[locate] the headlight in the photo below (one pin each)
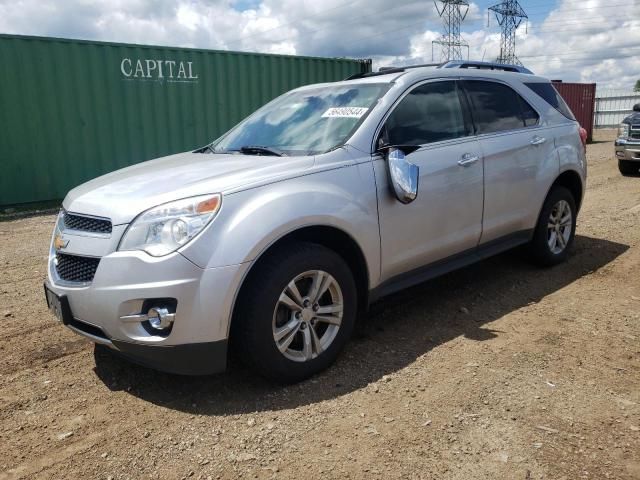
(165, 228)
(623, 130)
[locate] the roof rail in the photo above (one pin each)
(486, 66)
(387, 70)
(450, 64)
(421, 65)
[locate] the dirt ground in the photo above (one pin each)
(497, 371)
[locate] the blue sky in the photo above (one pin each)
(537, 10)
(242, 5)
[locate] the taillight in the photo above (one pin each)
(583, 138)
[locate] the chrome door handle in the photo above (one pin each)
(536, 140)
(468, 159)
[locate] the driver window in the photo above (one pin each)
(429, 113)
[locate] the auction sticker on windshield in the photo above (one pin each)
(345, 112)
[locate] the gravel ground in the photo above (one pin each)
(497, 371)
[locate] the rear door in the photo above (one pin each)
(446, 216)
(519, 157)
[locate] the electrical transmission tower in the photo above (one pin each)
(510, 15)
(453, 12)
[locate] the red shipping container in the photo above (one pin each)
(581, 98)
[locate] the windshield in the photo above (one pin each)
(303, 123)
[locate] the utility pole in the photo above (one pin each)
(510, 15)
(453, 12)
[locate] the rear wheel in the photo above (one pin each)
(628, 168)
(296, 313)
(556, 228)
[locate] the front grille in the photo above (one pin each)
(635, 132)
(74, 268)
(73, 221)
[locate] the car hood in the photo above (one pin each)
(125, 193)
(633, 118)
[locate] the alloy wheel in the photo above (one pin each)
(308, 315)
(559, 227)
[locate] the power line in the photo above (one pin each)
(596, 17)
(608, 7)
(578, 52)
(577, 55)
(572, 4)
(592, 60)
(595, 7)
(573, 26)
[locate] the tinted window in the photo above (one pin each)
(429, 113)
(529, 115)
(548, 92)
(496, 107)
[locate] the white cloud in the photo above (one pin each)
(588, 41)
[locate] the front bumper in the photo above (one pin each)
(125, 281)
(189, 359)
(627, 150)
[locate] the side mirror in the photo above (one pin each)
(404, 174)
(636, 107)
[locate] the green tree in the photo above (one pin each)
(637, 87)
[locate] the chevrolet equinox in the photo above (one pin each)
(274, 237)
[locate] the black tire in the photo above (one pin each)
(252, 334)
(540, 251)
(628, 168)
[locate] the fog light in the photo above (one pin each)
(160, 318)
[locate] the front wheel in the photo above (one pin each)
(555, 229)
(296, 313)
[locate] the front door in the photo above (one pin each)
(446, 217)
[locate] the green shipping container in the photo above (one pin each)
(71, 110)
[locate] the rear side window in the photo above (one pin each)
(548, 92)
(497, 107)
(429, 113)
(529, 115)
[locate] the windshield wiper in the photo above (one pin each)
(260, 150)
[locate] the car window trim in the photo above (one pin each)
(406, 92)
(500, 132)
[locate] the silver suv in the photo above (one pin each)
(274, 237)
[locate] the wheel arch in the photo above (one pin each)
(330, 237)
(572, 181)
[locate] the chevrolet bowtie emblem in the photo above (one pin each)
(59, 243)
